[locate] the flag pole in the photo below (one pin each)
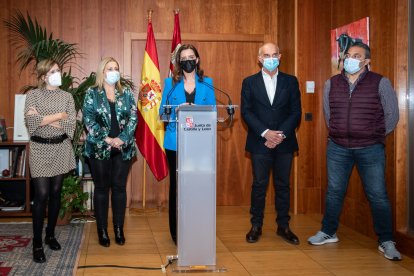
(144, 182)
(149, 135)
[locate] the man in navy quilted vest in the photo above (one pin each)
(360, 109)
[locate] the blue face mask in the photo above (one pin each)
(270, 64)
(112, 77)
(351, 65)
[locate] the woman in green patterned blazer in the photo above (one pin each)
(110, 117)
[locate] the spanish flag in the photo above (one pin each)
(150, 130)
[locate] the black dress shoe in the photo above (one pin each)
(288, 235)
(254, 234)
(53, 243)
(39, 255)
(119, 235)
(103, 237)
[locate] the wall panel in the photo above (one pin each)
(91, 35)
(111, 22)
(5, 97)
(382, 43)
(310, 61)
(98, 26)
(301, 29)
(404, 238)
(16, 80)
(314, 21)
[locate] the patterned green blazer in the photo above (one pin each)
(97, 119)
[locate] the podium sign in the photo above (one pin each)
(196, 189)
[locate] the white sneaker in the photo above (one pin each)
(389, 251)
(322, 238)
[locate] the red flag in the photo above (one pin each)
(176, 41)
(150, 130)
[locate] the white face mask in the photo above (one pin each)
(55, 79)
(351, 65)
(112, 77)
(270, 63)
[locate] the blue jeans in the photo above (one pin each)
(370, 162)
(280, 164)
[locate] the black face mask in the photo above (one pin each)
(188, 65)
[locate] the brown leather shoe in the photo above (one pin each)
(254, 234)
(288, 235)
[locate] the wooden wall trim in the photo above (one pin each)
(404, 239)
(401, 132)
(405, 243)
(130, 36)
(295, 158)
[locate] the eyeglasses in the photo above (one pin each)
(192, 57)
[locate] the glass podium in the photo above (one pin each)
(196, 189)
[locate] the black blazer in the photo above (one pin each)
(284, 114)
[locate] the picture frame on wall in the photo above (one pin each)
(20, 132)
(358, 30)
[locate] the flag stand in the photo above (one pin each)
(144, 210)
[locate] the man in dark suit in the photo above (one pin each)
(271, 108)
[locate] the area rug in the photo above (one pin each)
(16, 250)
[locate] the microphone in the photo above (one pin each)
(167, 107)
(230, 107)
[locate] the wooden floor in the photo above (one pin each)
(148, 244)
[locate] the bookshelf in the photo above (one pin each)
(15, 188)
(15, 183)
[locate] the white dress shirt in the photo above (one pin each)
(270, 84)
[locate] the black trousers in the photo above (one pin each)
(46, 192)
(172, 205)
(110, 175)
(280, 164)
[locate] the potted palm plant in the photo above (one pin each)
(35, 44)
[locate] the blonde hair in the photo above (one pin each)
(100, 78)
(42, 68)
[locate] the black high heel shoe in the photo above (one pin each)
(39, 255)
(103, 237)
(53, 243)
(119, 235)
